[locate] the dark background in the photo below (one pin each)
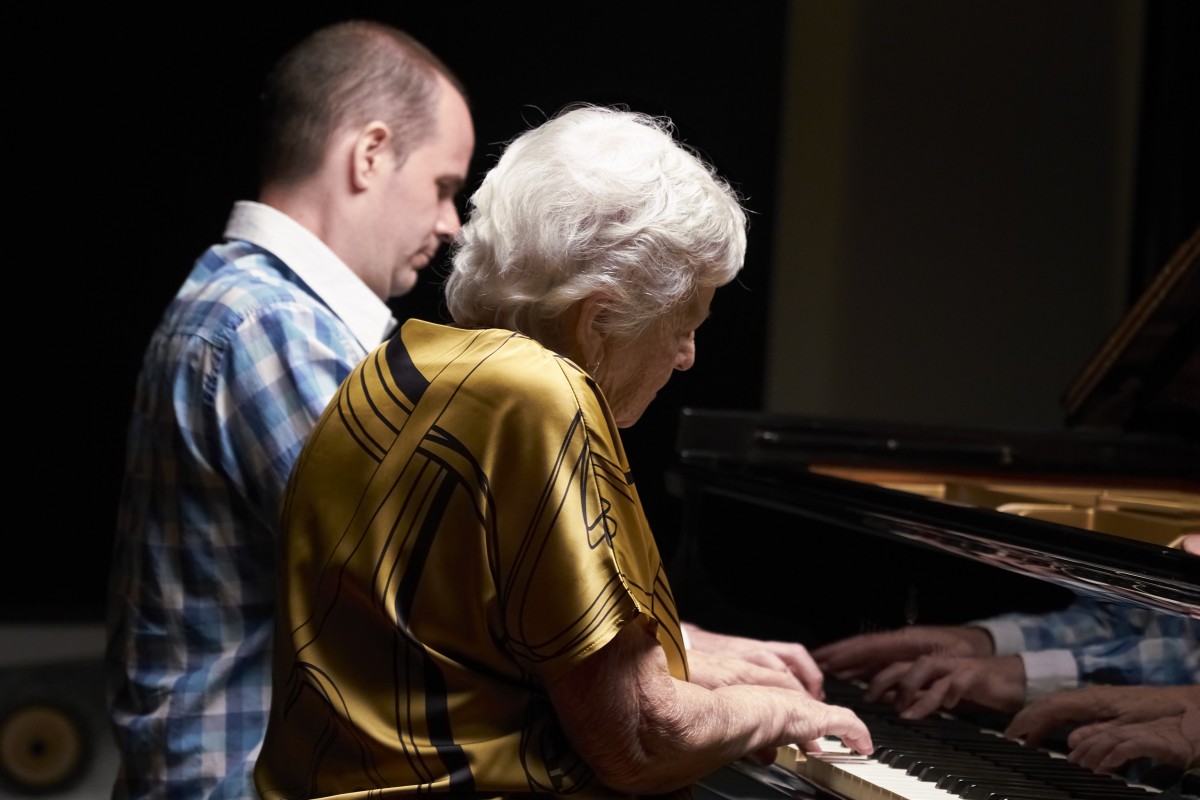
(172, 102)
(148, 121)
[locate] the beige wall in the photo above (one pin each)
(953, 216)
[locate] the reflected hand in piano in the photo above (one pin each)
(1089, 642)
(1118, 725)
(862, 656)
(1172, 741)
(922, 687)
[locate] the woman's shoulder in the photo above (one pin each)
(492, 349)
(527, 366)
(499, 361)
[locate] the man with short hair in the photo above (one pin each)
(367, 141)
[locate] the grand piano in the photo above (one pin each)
(811, 530)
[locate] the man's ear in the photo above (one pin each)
(372, 151)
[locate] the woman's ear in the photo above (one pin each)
(589, 333)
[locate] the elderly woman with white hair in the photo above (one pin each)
(472, 602)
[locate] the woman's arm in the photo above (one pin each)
(645, 732)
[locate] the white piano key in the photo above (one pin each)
(860, 777)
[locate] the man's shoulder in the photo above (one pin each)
(235, 282)
(238, 272)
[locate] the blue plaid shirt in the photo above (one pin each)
(1095, 641)
(247, 356)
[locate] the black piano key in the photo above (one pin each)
(947, 751)
(959, 783)
(934, 769)
(981, 786)
(903, 759)
(1071, 776)
(1116, 791)
(952, 775)
(982, 790)
(1122, 793)
(932, 773)
(963, 762)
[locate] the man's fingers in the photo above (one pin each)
(918, 706)
(1031, 729)
(864, 653)
(943, 693)
(918, 680)
(885, 681)
(1096, 752)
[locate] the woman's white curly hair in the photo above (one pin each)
(596, 199)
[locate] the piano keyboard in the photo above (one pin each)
(942, 758)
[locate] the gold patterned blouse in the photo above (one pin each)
(461, 527)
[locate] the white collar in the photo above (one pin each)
(367, 317)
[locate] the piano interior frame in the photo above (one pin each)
(997, 499)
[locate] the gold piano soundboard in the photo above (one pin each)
(1156, 516)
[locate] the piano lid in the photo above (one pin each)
(1133, 411)
(1146, 375)
(790, 441)
(1095, 513)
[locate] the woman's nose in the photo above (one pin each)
(686, 356)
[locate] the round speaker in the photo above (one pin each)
(43, 746)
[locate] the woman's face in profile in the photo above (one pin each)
(637, 371)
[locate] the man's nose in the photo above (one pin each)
(448, 223)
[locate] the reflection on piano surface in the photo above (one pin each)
(1157, 516)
